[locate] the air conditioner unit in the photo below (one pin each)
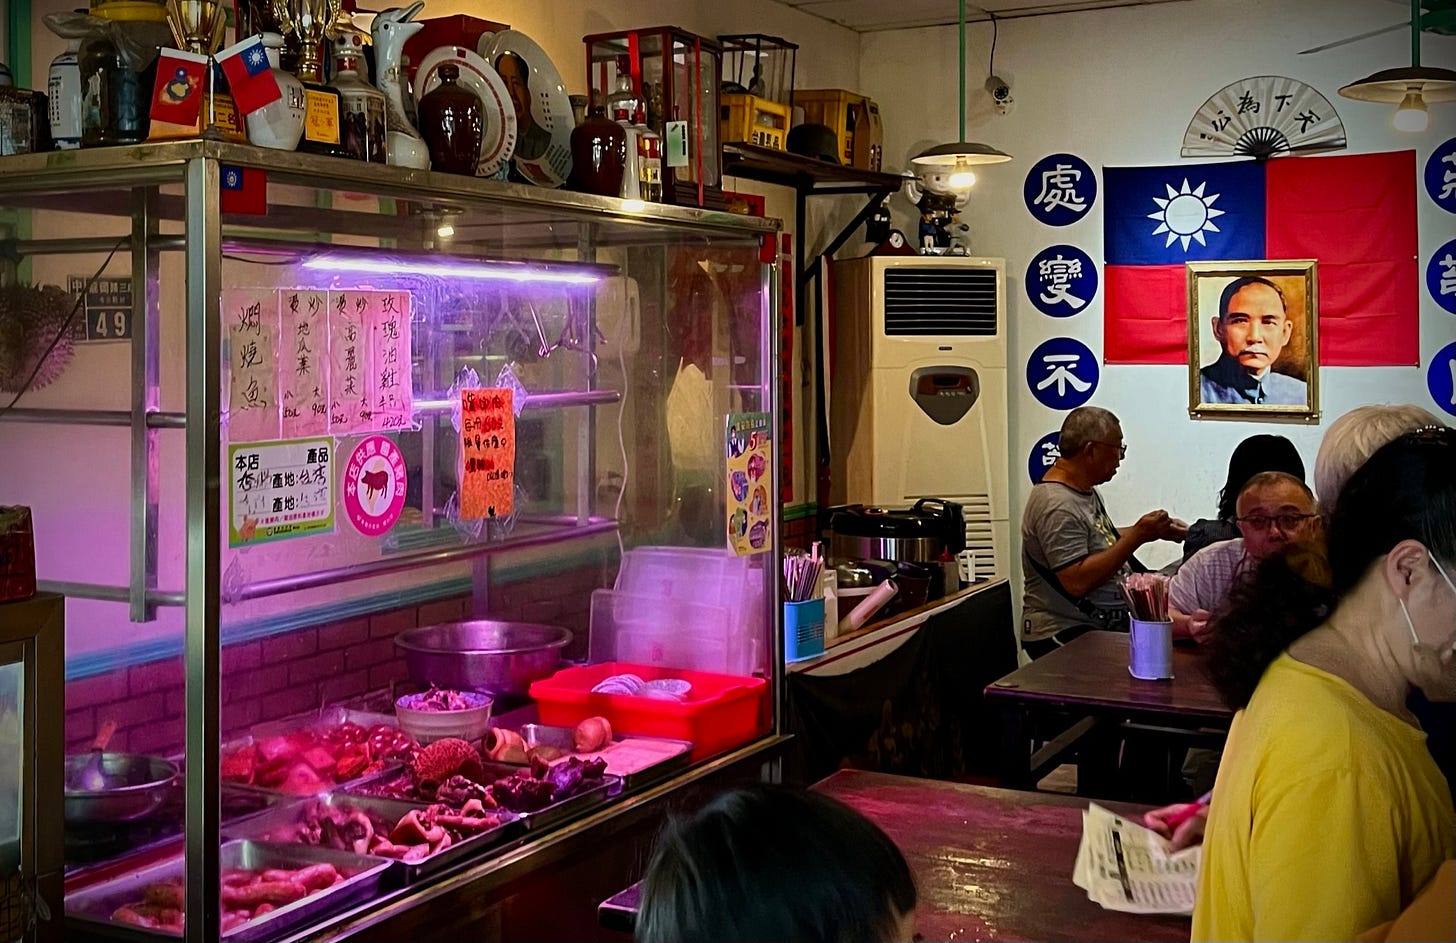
(918, 391)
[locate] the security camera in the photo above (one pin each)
(1000, 90)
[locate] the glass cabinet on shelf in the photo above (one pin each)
(268, 448)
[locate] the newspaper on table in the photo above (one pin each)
(1126, 866)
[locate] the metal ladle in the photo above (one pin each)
(91, 778)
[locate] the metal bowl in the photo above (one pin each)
(137, 786)
(500, 658)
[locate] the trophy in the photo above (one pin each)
(309, 21)
(197, 25)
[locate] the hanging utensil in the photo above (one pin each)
(91, 777)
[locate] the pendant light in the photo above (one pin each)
(1413, 87)
(959, 157)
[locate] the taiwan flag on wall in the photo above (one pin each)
(1355, 214)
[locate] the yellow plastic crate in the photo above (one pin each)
(748, 119)
(832, 107)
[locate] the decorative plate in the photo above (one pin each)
(1261, 117)
(498, 137)
(543, 113)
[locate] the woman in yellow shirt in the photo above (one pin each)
(1329, 815)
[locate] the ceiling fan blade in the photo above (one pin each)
(1355, 39)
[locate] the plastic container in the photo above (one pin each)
(702, 576)
(803, 629)
(668, 633)
(722, 712)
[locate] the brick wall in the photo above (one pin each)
(306, 668)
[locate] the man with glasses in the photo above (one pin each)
(1071, 554)
(1274, 510)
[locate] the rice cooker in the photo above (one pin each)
(930, 531)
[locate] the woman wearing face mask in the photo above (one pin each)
(1329, 814)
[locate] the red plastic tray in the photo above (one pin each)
(722, 711)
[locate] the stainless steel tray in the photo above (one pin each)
(548, 817)
(265, 826)
(386, 771)
(96, 904)
(677, 754)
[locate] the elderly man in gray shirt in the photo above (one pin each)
(1071, 553)
(1274, 510)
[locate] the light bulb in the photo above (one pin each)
(445, 231)
(961, 180)
(1411, 115)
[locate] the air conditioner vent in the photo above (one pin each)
(947, 301)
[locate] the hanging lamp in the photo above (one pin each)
(1413, 87)
(959, 157)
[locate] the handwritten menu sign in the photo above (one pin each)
(750, 482)
(348, 364)
(388, 318)
(251, 318)
(488, 449)
(303, 363)
(279, 490)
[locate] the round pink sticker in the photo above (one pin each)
(374, 485)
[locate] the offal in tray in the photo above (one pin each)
(412, 837)
(247, 893)
(307, 761)
(450, 772)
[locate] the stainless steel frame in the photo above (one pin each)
(179, 181)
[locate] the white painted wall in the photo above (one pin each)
(1118, 87)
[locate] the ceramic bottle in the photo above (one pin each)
(598, 153)
(364, 106)
(453, 123)
(279, 125)
(63, 90)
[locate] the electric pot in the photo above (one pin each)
(925, 533)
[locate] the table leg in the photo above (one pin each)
(1097, 760)
(1015, 759)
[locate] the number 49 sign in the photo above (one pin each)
(107, 309)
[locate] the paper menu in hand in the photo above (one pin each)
(1125, 866)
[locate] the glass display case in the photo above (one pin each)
(32, 633)
(320, 438)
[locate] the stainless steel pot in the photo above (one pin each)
(137, 786)
(500, 658)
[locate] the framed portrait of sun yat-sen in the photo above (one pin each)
(1253, 340)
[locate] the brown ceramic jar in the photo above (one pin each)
(452, 123)
(598, 154)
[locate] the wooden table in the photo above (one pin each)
(989, 864)
(1088, 681)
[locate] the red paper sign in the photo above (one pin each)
(488, 450)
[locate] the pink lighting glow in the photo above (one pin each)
(502, 271)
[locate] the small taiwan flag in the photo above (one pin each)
(246, 66)
(243, 190)
(177, 97)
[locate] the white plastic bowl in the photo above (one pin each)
(428, 726)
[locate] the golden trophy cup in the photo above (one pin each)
(309, 22)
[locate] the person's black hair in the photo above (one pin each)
(1405, 491)
(1238, 285)
(772, 863)
(1257, 453)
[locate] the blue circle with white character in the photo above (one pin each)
(1441, 276)
(1441, 378)
(1043, 456)
(1061, 281)
(1062, 373)
(1441, 176)
(1060, 189)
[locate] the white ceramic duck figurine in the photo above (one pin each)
(405, 147)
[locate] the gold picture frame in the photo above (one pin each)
(1260, 359)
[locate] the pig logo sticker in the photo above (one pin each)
(374, 485)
